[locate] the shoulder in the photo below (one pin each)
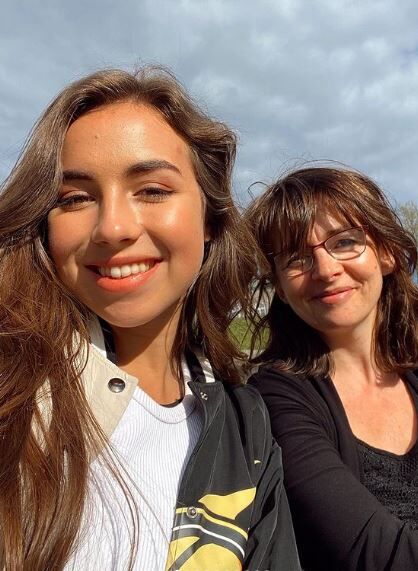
(269, 379)
(295, 399)
(247, 400)
(271, 371)
(252, 417)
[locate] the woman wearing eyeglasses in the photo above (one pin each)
(339, 372)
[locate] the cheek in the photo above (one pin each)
(292, 291)
(184, 230)
(62, 242)
(369, 272)
(188, 249)
(376, 284)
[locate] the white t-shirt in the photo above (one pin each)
(153, 444)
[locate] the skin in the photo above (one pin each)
(339, 299)
(336, 297)
(129, 195)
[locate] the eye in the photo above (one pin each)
(345, 243)
(296, 261)
(73, 201)
(154, 194)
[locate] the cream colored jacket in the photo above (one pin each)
(108, 389)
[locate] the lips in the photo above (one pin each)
(333, 293)
(123, 275)
(123, 267)
(334, 296)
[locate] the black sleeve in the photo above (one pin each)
(339, 525)
(271, 543)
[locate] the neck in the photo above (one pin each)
(358, 366)
(353, 354)
(354, 362)
(145, 352)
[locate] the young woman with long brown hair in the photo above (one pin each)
(127, 439)
(338, 375)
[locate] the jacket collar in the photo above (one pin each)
(195, 365)
(100, 373)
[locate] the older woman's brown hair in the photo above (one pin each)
(44, 463)
(284, 216)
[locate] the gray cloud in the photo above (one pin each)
(299, 80)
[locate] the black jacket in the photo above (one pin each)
(232, 512)
(339, 524)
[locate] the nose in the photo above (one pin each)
(325, 267)
(118, 221)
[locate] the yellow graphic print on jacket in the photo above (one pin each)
(205, 536)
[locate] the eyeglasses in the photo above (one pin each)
(345, 245)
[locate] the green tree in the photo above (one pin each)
(408, 213)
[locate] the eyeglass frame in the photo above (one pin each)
(323, 245)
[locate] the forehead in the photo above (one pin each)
(120, 133)
(325, 224)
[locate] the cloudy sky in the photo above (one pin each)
(297, 79)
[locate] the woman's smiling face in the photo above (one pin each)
(127, 234)
(335, 295)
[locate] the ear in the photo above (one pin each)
(387, 262)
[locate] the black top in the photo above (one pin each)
(392, 479)
(339, 524)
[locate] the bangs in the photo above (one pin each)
(298, 200)
(283, 217)
(295, 217)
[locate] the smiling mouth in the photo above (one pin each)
(124, 271)
(333, 293)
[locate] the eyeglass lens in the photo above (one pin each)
(344, 245)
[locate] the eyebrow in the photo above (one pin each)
(71, 174)
(137, 168)
(151, 165)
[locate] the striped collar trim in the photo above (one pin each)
(195, 365)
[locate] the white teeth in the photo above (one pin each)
(117, 272)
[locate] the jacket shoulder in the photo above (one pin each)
(254, 424)
(248, 401)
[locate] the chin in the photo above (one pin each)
(335, 328)
(126, 321)
(133, 317)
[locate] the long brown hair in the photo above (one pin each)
(45, 454)
(285, 214)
